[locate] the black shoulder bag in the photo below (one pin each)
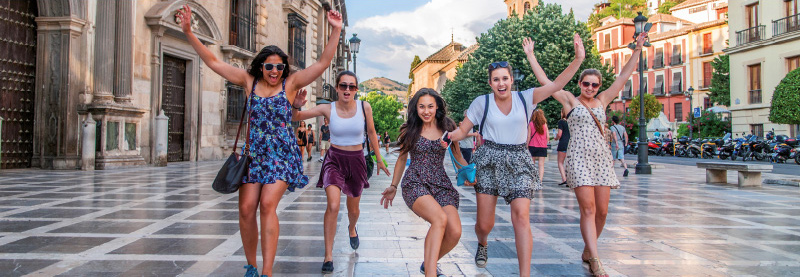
(233, 171)
(368, 157)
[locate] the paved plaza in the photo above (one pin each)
(166, 221)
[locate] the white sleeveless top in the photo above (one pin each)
(347, 131)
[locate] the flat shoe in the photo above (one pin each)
(327, 267)
(563, 183)
(354, 242)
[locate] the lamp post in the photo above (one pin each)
(641, 25)
(355, 42)
(689, 93)
(518, 77)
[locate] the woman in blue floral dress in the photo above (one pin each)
(276, 164)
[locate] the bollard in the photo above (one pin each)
(162, 136)
(88, 136)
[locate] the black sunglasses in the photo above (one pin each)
(345, 87)
(587, 84)
(278, 66)
(495, 65)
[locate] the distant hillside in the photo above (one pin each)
(386, 85)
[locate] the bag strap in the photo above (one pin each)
(241, 120)
(366, 133)
(453, 159)
(524, 105)
(596, 122)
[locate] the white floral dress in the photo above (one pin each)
(588, 160)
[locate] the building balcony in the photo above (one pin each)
(676, 89)
(676, 60)
(658, 62)
(627, 94)
(786, 25)
(750, 35)
(658, 91)
(705, 83)
(707, 51)
(755, 96)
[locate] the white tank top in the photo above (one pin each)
(347, 131)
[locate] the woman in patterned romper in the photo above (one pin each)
(276, 164)
(427, 189)
(589, 166)
(504, 165)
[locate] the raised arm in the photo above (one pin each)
(462, 131)
(318, 110)
(231, 73)
(561, 96)
(304, 77)
(612, 91)
(547, 90)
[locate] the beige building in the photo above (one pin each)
(765, 46)
(520, 7)
(440, 67)
(123, 62)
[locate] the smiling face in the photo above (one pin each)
(589, 85)
(426, 108)
(346, 88)
(302, 124)
(273, 77)
(501, 82)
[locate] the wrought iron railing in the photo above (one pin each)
(755, 96)
(243, 25)
(707, 50)
(785, 25)
(676, 59)
(658, 90)
(750, 35)
(676, 89)
(658, 61)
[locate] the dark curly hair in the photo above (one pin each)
(255, 66)
(412, 129)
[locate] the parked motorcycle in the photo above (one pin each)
(754, 149)
(739, 148)
(781, 153)
(694, 148)
(654, 147)
(709, 149)
(682, 147)
(667, 148)
(632, 147)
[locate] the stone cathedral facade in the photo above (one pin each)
(122, 63)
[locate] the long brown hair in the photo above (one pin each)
(411, 130)
(538, 121)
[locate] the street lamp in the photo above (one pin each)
(689, 93)
(518, 77)
(641, 25)
(354, 43)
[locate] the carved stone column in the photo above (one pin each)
(104, 51)
(123, 58)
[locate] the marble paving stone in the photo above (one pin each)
(56, 195)
(21, 267)
(52, 245)
(169, 246)
(92, 204)
(215, 215)
(17, 226)
(725, 252)
(140, 214)
(167, 205)
(124, 196)
(185, 228)
(102, 227)
(55, 213)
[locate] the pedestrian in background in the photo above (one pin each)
(270, 88)
(302, 138)
(589, 165)
(669, 133)
(620, 137)
(657, 134)
(563, 142)
(386, 141)
(311, 141)
(324, 139)
(344, 170)
(427, 190)
(537, 144)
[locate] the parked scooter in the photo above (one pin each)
(694, 149)
(754, 149)
(654, 147)
(709, 149)
(726, 150)
(667, 148)
(632, 147)
(682, 147)
(781, 153)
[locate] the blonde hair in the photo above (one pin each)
(538, 120)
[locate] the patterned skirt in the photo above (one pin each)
(505, 170)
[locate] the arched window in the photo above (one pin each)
(527, 6)
(243, 24)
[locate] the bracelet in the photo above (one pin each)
(394, 186)
(296, 108)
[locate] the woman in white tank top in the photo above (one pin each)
(344, 168)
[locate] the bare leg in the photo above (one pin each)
(601, 198)
(270, 196)
(520, 219)
(248, 226)
(452, 233)
(485, 220)
(329, 221)
(427, 208)
(353, 212)
(302, 153)
(541, 168)
(586, 203)
(561, 157)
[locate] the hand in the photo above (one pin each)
(335, 19)
(527, 46)
(382, 166)
(185, 15)
(580, 52)
(388, 196)
(640, 40)
(300, 98)
(470, 184)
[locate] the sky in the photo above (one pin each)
(393, 31)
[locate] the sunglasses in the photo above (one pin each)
(278, 66)
(346, 87)
(587, 84)
(495, 65)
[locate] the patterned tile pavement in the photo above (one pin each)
(167, 221)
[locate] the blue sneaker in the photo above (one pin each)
(438, 270)
(252, 271)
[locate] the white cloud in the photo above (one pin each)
(389, 42)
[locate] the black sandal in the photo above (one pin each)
(563, 183)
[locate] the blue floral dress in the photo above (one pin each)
(273, 145)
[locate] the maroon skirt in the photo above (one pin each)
(344, 169)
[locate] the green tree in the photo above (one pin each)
(664, 8)
(552, 30)
(618, 8)
(414, 64)
(720, 90)
(385, 112)
(652, 108)
(785, 107)
(710, 124)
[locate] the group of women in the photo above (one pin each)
(504, 167)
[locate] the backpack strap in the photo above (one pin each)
(525, 105)
(366, 133)
(485, 112)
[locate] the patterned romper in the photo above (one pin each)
(588, 160)
(426, 175)
(273, 146)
